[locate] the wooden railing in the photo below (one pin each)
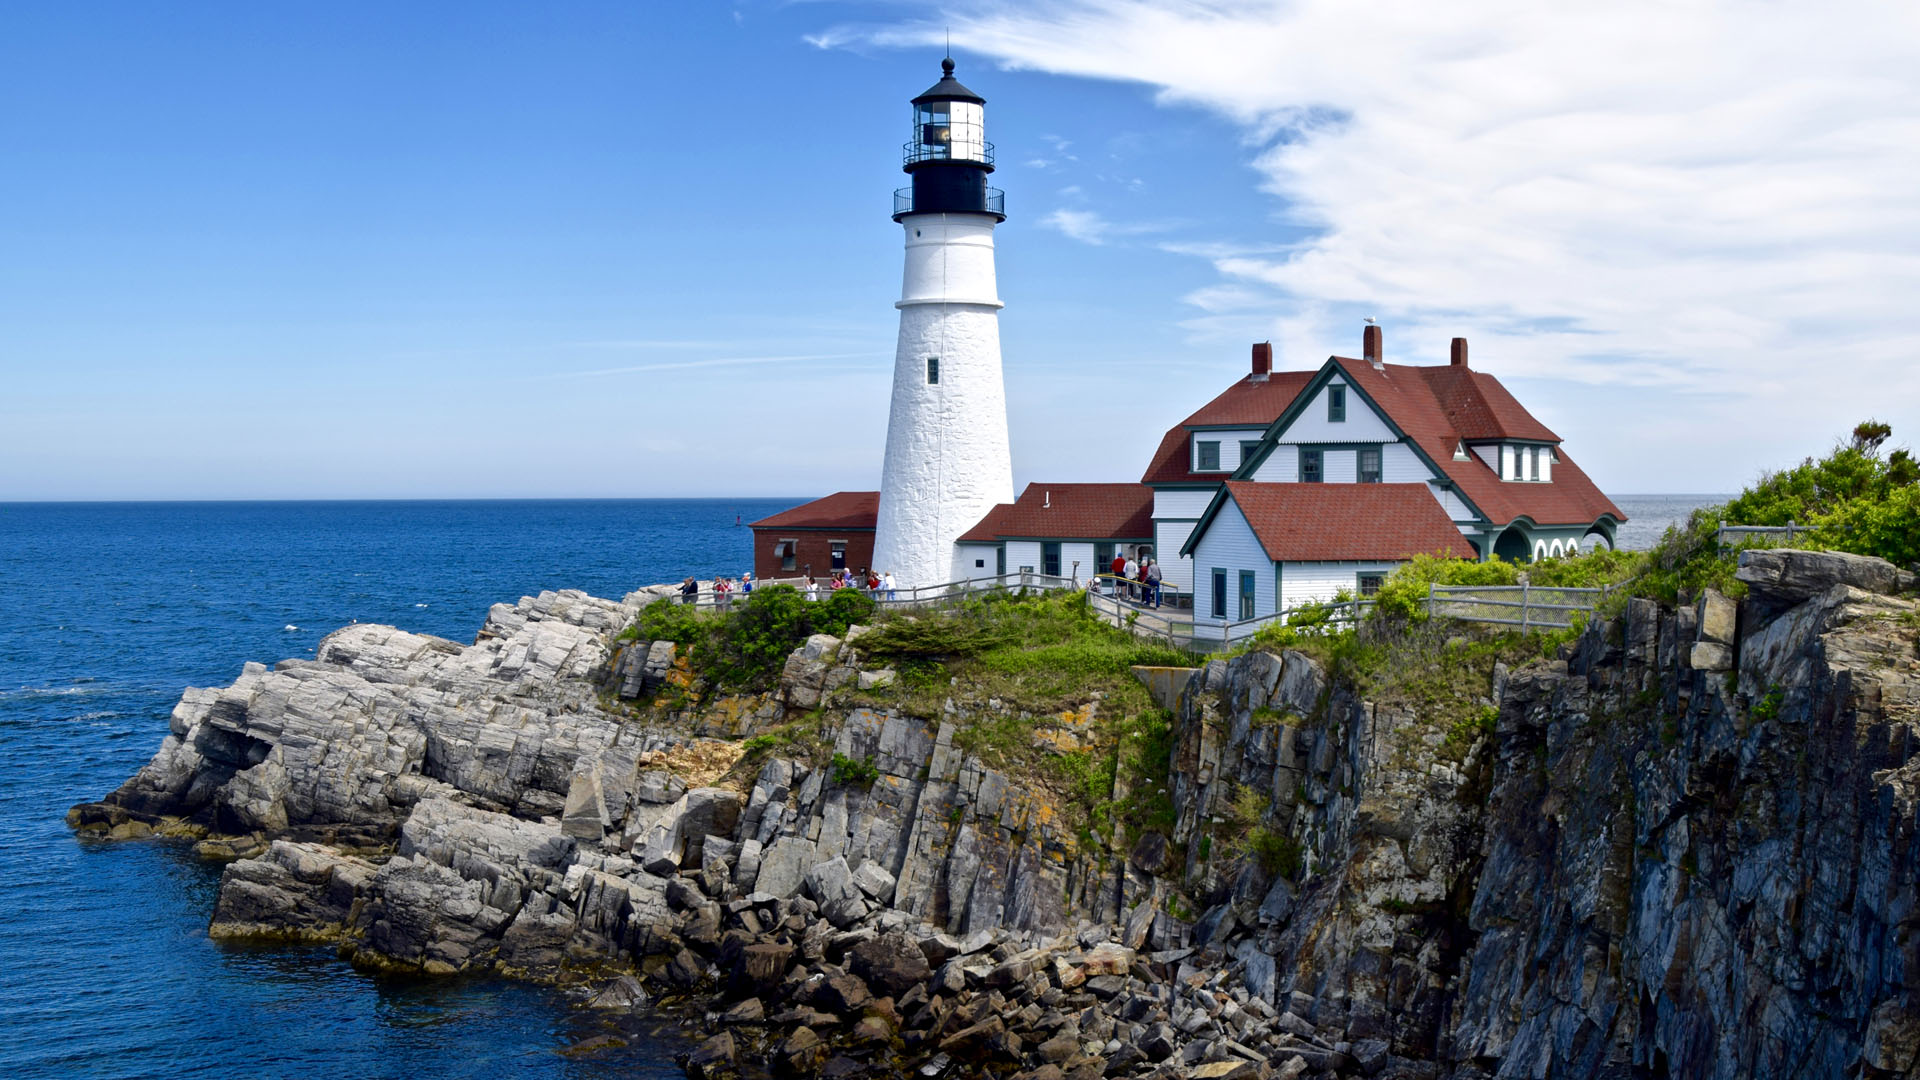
(1789, 530)
(1529, 607)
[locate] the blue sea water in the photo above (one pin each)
(106, 612)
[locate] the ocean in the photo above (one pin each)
(111, 609)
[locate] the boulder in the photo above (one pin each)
(713, 1058)
(1784, 577)
(784, 866)
(891, 963)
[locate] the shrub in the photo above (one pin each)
(745, 648)
(853, 771)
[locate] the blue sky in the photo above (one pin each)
(468, 250)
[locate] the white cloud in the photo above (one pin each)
(1709, 194)
(1090, 227)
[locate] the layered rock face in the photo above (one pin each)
(442, 807)
(1688, 848)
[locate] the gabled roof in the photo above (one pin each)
(1340, 522)
(1406, 397)
(1070, 512)
(1250, 402)
(840, 510)
(1479, 407)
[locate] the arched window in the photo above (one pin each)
(1573, 547)
(1556, 550)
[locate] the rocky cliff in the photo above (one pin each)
(1684, 847)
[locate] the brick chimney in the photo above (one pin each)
(1262, 360)
(1370, 348)
(1459, 352)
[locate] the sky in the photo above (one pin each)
(481, 249)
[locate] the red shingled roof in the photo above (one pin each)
(1347, 522)
(1479, 407)
(1071, 512)
(840, 510)
(988, 529)
(1406, 395)
(1255, 404)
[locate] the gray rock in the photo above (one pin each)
(784, 866)
(1783, 577)
(1710, 656)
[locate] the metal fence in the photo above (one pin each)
(1527, 606)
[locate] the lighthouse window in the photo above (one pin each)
(933, 371)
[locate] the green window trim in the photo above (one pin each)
(1336, 404)
(1248, 448)
(1313, 465)
(1219, 593)
(1279, 594)
(1367, 465)
(1207, 454)
(1248, 583)
(1364, 579)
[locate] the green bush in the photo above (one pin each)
(854, 772)
(744, 648)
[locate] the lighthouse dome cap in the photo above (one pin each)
(948, 88)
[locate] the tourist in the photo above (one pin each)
(873, 585)
(722, 593)
(891, 594)
(813, 588)
(1117, 568)
(1128, 568)
(1140, 579)
(1154, 580)
(746, 584)
(689, 591)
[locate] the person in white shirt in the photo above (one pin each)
(813, 588)
(888, 585)
(1133, 568)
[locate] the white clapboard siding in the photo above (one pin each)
(1400, 465)
(1281, 467)
(1230, 544)
(1081, 553)
(1176, 570)
(1450, 502)
(1175, 503)
(1318, 582)
(1489, 453)
(1361, 425)
(1023, 553)
(1229, 441)
(1340, 466)
(969, 554)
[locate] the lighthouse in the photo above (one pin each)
(947, 461)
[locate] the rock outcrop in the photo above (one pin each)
(1685, 847)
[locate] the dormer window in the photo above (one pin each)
(1208, 454)
(1336, 404)
(1460, 451)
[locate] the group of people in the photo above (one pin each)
(723, 590)
(1136, 580)
(879, 586)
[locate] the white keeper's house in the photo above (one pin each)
(1291, 486)
(1288, 487)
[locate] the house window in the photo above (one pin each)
(1246, 594)
(839, 551)
(1102, 558)
(785, 549)
(1533, 463)
(1050, 559)
(1209, 456)
(1369, 464)
(1279, 595)
(1248, 448)
(1311, 470)
(979, 564)
(933, 371)
(1219, 593)
(1369, 584)
(1336, 404)
(1000, 561)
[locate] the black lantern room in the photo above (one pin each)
(949, 156)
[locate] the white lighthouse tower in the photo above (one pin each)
(947, 460)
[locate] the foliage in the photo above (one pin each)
(744, 648)
(1768, 707)
(860, 772)
(1404, 594)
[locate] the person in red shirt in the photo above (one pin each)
(1118, 570)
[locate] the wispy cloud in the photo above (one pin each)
(1089, 227)
(1705, 194)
